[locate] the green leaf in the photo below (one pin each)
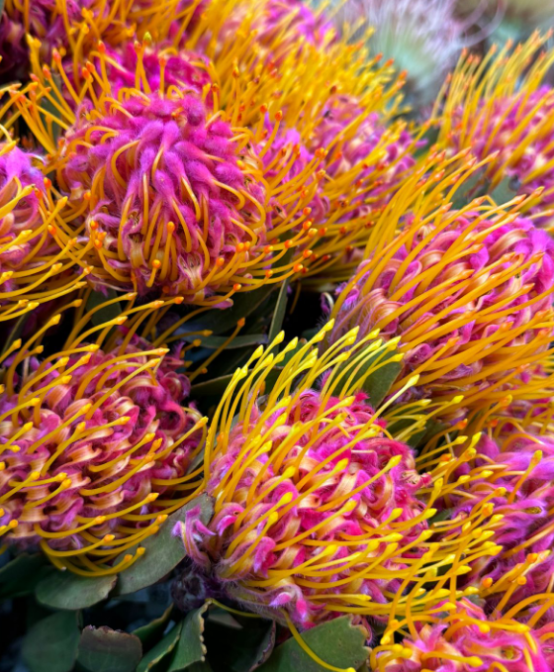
(503, 191)
(445, 514)
(472, 187)
(20, 576)
(215, 342)
(63, 590)
(336, 642)
(163, 551)
(151, 632)
(239, 649)
(106, 650)
(162, 649)
(219, 321)
(51, 645)
(190, 648)
(16, 329)
(378, 384)
(279, 313)
(108, 312)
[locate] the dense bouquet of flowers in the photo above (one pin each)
(276, 365)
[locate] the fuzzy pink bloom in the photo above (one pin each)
(284, 512)
(89, 441)
(458, 294)
(32, 266)
(467, 641)
(504, 125)
(21, 191)
(519, 483)
(166, 193)
(184, 69)
(338, 115)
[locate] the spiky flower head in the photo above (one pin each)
(500, 108)
(424, 39)
(514, 470)
(319, 510)
(200, 192)
(64, 25)
(467, 292)
(281, 27)
(95, 444)
(33, 268)
(459, 637)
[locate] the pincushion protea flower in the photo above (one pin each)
(33, 269)
(171, 194)
(63, 24)
(459, 637)
(499, 107)
(514, 470)
(468, 293)
(95, 443)
(319, 510)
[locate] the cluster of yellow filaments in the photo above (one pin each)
(460, 635)
(303, 201)
(467, 291)
(96, 446)
(501, 106)
(295, 532)
(33, 269)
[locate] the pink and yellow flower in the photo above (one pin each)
(33, 268)
(95, 444)
(199, 191)
(460, 637)
(467, 292)
(500, 108)
(319, 508)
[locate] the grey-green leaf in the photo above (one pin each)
(151, 632)
(162, 649)
(239, 648)
(106, 313)
(377, 384)
(163, 551)
(19, 577)
(219, 321)
(336, 642)
(106, 650)
(190, 648)
(63, 590)
(215, 342)
(279, 311)
(503, 192)
(51, 644)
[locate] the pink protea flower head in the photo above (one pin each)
(96, 445)
(351, 138)
(167, 198)
(280, 26)
(32, 266)
(150, 66)
(458, 289)
(14, 56)
(507, 120)
(190, 190)
(513, 471)
(318, 510)
(58, 25)
(461, 638)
